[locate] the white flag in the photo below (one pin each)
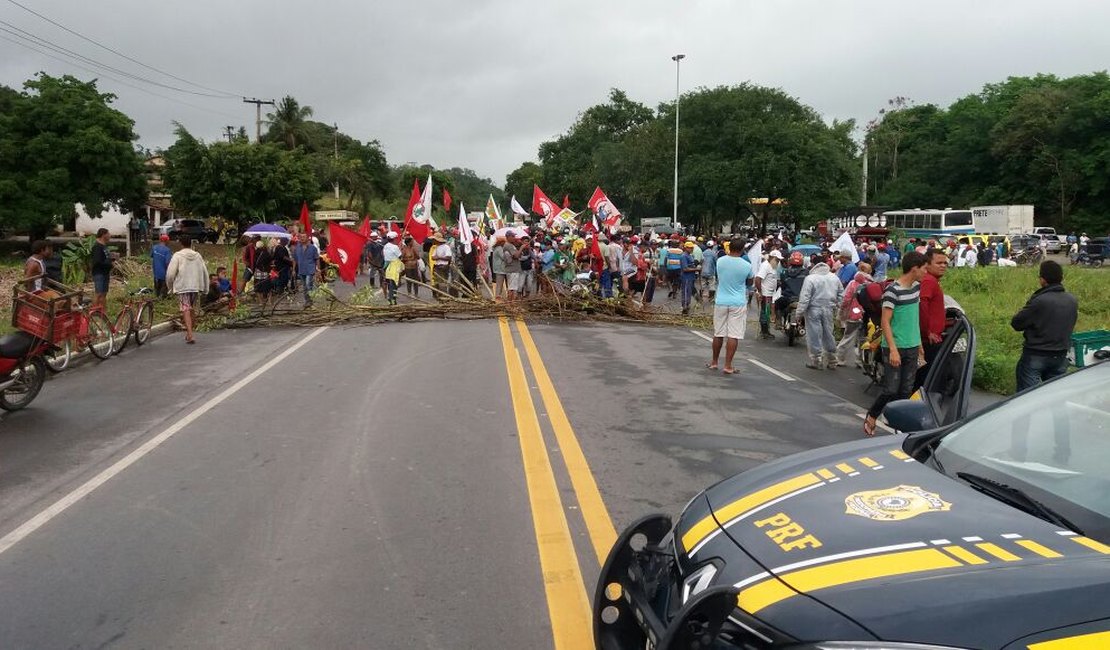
(755, 254)
(426, 202)
(845, 243)
(465, 236)
(515, 206)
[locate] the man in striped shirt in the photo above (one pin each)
(901, 341)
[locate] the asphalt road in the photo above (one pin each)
(427, 484)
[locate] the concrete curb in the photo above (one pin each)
(84, 356)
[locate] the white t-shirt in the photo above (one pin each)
(443, 250)
(391, 252)
(770, 279)
(970, 257)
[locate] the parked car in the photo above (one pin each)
(987, 532)
(194, 228)
(1052, 243)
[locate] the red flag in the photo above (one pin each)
(344, 248)
(566, 200)
(604, 210)
(446, 200)
(592, 225)
(306, 222)
(364, 227)
(543, 205)
(393, 227)
(596, 261)
(417, 228)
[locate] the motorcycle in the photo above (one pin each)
(22, 369)
(792, 328)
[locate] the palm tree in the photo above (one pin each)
(288, 120)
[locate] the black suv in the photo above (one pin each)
(194, 228)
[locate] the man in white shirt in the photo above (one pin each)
(441, 259)
(971, 259)
(766, 283)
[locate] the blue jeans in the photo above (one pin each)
(897, 382)
(688, 280)
(309, 282)
(606, 283)
(1034, 369)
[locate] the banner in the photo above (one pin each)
(606, 212)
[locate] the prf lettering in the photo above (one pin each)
(788, 534)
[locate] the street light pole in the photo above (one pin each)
(336, 141)
(677, 64)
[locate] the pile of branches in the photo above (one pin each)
(369, 307)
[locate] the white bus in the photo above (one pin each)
(930, 223)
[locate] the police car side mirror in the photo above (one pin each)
(908, 415)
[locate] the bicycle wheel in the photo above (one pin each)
(144, 323)
(100, 335)
(27, 385)
(58, 360)
(121, 333)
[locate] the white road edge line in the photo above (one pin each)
(704, 336)
(771, 370)
(60, 506)
(781, 375)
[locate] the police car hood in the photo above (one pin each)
(902, 550)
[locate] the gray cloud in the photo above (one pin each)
(480, 83)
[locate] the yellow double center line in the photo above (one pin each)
(567, 600)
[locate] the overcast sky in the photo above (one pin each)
(481, 83)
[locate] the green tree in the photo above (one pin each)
(520, 181)
(62, 143)
(472, 189)
(288, 122)
(751, 142)
(241, 181)
(569, 162)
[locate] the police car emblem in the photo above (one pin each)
(894, 504)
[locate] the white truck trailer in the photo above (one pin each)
(1002, 219)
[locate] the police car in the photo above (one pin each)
(988, 532)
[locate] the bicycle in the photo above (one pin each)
(94, 331)
(136, 317)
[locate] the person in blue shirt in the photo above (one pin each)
(548, 257)
(307, 257)
(690, 271)
(160, 261)
(848, 268)
(730, 310)
(882, 262)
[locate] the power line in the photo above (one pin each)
(38, 40)
(120, 81)
(120, 54)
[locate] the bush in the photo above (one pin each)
(991, 296)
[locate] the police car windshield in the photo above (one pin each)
(1052, 442)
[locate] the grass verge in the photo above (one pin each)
(991, 296)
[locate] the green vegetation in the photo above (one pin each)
(1039, 140)
(991, 296)
(62, 143)
(736, 143)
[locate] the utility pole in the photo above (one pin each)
(336, 144)
(229, 133)
(863, 196)
(258, 114)
(677, 63)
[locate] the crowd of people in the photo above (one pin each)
(897, 290)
